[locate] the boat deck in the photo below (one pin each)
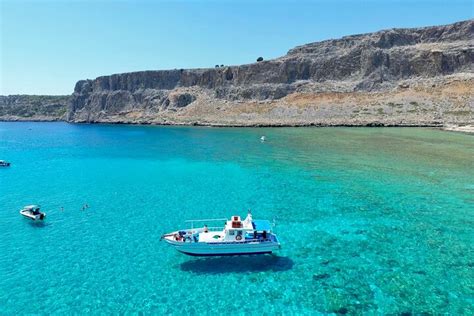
(211, 236)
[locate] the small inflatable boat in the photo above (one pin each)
(4, 163)
(33, 212)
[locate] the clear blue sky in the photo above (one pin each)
(46, 46)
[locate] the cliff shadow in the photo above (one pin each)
(238, 264)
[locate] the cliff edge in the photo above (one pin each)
(403, 77)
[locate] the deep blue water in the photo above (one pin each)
(371, 220)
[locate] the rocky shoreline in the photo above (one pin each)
(397, 77)
(467, 129)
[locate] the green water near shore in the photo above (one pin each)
(372, 220)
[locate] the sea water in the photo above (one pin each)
(371, 220)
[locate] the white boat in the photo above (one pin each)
(33, 212)
(237, 237)
(4, 163)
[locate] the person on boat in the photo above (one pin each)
(206, 230)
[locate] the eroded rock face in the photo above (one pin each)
(180, 100)
(364, 63)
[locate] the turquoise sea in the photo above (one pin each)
(372, 221)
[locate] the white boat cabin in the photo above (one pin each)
(235, 230)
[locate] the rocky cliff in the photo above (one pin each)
(420, 76)
(33, 107)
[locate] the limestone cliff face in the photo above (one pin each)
(410, 65)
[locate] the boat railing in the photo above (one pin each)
(211, 229)
(201, 229)
(243, 241)
(192, 221)
(215, 229)
(206, 220)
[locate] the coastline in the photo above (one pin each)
(220, 157)
(420, 77)
(465, 129)
(36, 119)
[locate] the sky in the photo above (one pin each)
(48, 45)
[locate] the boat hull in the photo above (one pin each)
(224, 254)
(225, 249)
(38, 217)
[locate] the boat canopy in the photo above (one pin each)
(261, 225)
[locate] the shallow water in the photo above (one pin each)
(372, 220)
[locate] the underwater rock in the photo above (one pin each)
(321, 276)
(342, 311)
